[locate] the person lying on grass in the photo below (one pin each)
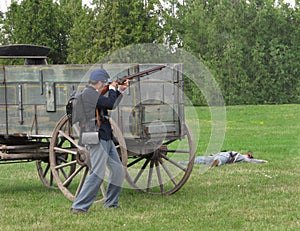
(225, 157)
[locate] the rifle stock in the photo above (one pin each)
(129, 77)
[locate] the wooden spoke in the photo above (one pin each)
(179, 151)
(161, 185)
(172, 178)
(173, 162)
(141, 170)
(136, 161)
(81, 181)
(150, 176)
(69, 139)
(63, 150)
(65, 165)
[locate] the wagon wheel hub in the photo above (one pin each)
(163, 149)
(157, 154)
(83, 157)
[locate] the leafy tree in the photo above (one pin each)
(251, 47)
(112, 25)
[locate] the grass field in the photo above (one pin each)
(232, 197)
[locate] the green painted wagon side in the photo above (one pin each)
(33, 98)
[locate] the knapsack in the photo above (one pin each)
(75, 109)
(76, 113)
(88, 134)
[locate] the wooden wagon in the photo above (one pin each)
(149, 125)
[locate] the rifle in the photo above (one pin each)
(129, 77)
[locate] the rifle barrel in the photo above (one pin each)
(139, 74)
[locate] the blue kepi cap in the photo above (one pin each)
(99, 75)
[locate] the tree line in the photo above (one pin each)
(252, 47)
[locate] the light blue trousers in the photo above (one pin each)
(223, 158)
(102, 155)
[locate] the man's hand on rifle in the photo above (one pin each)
(124, 86)
(114, 84)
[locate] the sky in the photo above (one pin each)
(5, 3)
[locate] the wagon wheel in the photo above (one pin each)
(66, 155)
(44, 171)
(161, 172)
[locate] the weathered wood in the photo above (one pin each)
(32, 146)
(23, 156)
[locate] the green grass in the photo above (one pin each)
(231, 197)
